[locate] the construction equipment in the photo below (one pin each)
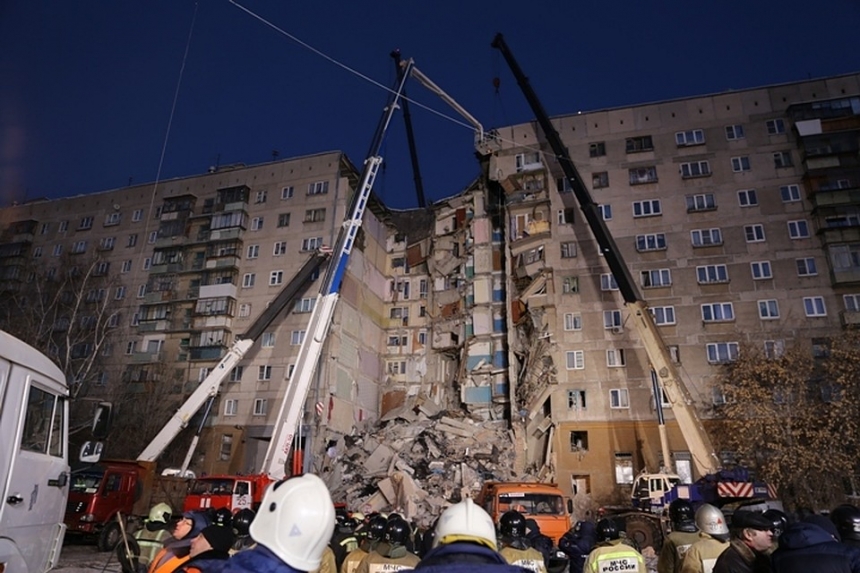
(652, 492)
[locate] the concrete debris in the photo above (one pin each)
(416, 465)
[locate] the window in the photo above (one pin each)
(79, 247)
(718, 312)
(734, 132)
(136, 215)
(820, 347)
(260, 197)
(141, 291)
(648, 208)
(318, 188)
(852, 302)
(37, 252)
(642, 175)
(396, 341)
(722, 352)
(297, 337)
(624, 469)
(132, 240)
(396, 366)
(618, 398)
(112, 219)
(782, 159)
(611, 319)
(107, 243)
(663, 314)
(578, 440)
(230, 406)
(706, 237)
(248, 280)
(44, 424)
(615, 358)
(236, 374)
(267, 340)
(570, 285)
(695, 169)
(703, 202)
(572, 321)
(789, 193)
(260, 406)
(280, 248)
(86, 223)
(422, 288)
(607, 282)
(528, 161)
(814, 306)
(153, 236)
(566, 216)
(287, 193)
(654, 242)
(597, 149)
(314, 215)
(599, 180)
(740, 164)
(774, 348)
(568, 250)
(244, 310)
(312, 243)
(605, 211)
(257, 223)
(119, 293)
(253, 251)
(806, 267)
(637, 144)
(754, 233)
(304, 305)
(775, 126)
(575, 359)
(747, 198)
(798, 229)
(768, 309)
(761, 270)
(656, 278)
(131, 347)
(276, 278)
(284, 220)
(712, 274)
(692, 137)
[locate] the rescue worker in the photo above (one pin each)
(515, 548)
(344, 540)
(372, 535)
(752, 538)
(577, 543)
(292, 528)
(327, 562)
(175, 551)
(543, 543)
(209, 550)
(713, 540)
(151, 537)
(684, 534)
(242, 529)
(391, 553)
(465, 542)
(223, 517)
(846, 518)
(611, 553)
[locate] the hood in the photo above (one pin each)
(802, 534)
(587, 529)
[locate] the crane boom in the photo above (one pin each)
(702, 451)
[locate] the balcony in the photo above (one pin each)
(835, 197)
(157, 325)
(167, 268)
(225, 234)
(222, 262)
(206, 353)
(832, 235)
(145, 357)
(850, 317)
(174, 241)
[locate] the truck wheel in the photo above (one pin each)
(645, 531)
(109, 536)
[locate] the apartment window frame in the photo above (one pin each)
(754, 233)
(651, 242)
(261, 406)
(248, 280)
(695, 169)
(643, 175)
(775, 126)
(655, 278)
(612, 319)
(663, 315)
(605, 211)
(279, 248)
(747, 198)
(608, 282)
(311, 244)
(712, 237)
(735, 132)
(573, 321)
(619, 399)
(701, 202)
(647, 208)
(574, 359)
(597, 149)
(758, 268)
(798, 229)
(253, 251)
(600, 180)
(814, 306)
(283, 220)
(639, 144)
(297, 337)
(690, 138)
(287, 192)
(318, 188)
(315, 215)
(782, 159)
(722, 352)
(790, 193)
(616, 358)
(713, 312)
(711, 274)
(570, 285)
(806, 267)
(261, 196)
(231, 406)
(267, 340)
(741, 164)
(568, 249)
(768, 309)
(257, 223)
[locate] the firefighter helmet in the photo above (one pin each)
(779, 520)
(223, 517)
(711, 520)
(607, 530)
(376, 527)
(512, 524)
(397, 531)
(465, 521)
(681, 511)
(296, 521)
(846, 518)
(160, 512)
(242, 521)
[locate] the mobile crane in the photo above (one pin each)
(652, 492)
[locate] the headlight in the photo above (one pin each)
(88, 517)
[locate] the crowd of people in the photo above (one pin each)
(296, 529)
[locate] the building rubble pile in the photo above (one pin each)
(418, 461)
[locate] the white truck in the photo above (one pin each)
(34, 460)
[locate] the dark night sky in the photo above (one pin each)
(86, 87)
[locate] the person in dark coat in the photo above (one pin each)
(752, 537)
(577, 543)
(209, 550)
(812, 545)
(539, 541)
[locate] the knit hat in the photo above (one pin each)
(199, 520)
(219, 537)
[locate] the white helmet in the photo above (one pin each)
(710, 520)
(465, 521)
(295, 521)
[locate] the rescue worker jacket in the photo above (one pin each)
(327, 565)
(387, 559)
(150, 542)
(350, 563)
(675, 545)
(465, 557)
(740, 558)
(528, 558)
(614, 557)
(702, 555)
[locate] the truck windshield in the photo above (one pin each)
(532, 503)
(212, 486)
(86, 483)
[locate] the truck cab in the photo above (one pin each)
(545, 503)
(234, 492)
(651, 492)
